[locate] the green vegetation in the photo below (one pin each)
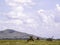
(24, 42)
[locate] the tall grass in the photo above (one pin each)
(24, 42)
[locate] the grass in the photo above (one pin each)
(24, 42)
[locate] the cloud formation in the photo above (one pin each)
(37, 20)
(50, 20)
(16, 16)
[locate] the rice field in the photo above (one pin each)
(24, 42)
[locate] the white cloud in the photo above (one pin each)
(20, 2)
(48, 22)
(22, 21)
(49, 16)
(41, 11)
(58, 7)
(46, 16)
(17, 19)
(14, 14)
(16, 22)
(12, 4)
(30, 20)
(17, 7)
(32, 23)
(23, 1)
(48, 19)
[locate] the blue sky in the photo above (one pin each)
(38, 17)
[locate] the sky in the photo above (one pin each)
(37, 17)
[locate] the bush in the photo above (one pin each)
(37, 38)
(30, 39)
(49, 39)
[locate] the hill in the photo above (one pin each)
(12, 34)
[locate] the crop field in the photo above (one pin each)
(24, 42)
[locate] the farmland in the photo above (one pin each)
(24, 42)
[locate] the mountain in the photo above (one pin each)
(12, 34)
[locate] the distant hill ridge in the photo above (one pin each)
(12, 34)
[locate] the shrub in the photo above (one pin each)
(49, 39)
(30, 39)
(37, 38)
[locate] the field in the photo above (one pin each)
(24, 42)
